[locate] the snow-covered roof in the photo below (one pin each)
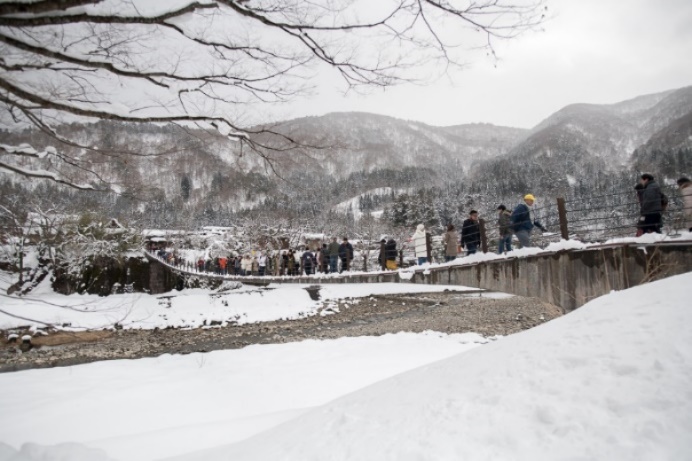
(161, 233)
(309, 236)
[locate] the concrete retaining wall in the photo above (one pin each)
(569, 279)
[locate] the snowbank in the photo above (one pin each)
(608, 381)
(141, 410)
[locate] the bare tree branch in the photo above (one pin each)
(206, 62)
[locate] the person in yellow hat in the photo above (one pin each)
(522, 221)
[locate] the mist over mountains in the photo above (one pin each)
(363, 163)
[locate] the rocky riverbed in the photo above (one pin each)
(448, 312)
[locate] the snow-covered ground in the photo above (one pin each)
(152, 408)
(187, 308)
(610, 380)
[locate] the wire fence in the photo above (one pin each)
(599, 220)
(602, 218)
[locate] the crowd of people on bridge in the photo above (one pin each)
(520, 222)
(329, 258)
(336, 257)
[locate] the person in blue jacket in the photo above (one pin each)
(523, 223)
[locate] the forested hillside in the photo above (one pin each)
(357, 164)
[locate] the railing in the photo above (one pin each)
(572, 219)
(593, 222)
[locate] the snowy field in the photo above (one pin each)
(188, 308)
(146, 409)
(610, 381)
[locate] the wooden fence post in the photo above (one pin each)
(562, 213)
(366, 256)
(383, 257)
(401, 257)
(484, 236)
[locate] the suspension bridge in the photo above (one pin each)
(568, 275)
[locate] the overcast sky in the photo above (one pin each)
(595, 51)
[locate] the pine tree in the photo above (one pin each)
(185, 187)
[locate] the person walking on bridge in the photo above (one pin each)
(333, 252)
(420, 244)
(522, 221)
(346, 255)
(323, 259)
(471, 233)
(390, 254)
(262, 263)
(451, 241)
(246, 265)
(651, 207)
(307, 261)
(504, 222)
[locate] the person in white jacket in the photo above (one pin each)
(262, 263)
(246, 265)
(420, 244)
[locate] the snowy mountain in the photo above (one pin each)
(610, 132)
(365, 142)
(669, 150)
(206, 177)
(586, 140)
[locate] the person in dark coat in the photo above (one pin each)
(291, 263)
(381, 258)
(471, 233)
(284, 263)
(390, 254)
(651, 207)
(307, 260)
(324, 259)
(346, 255)
(505, 230)
(523, 223)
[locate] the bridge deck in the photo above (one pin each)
(566, 278)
